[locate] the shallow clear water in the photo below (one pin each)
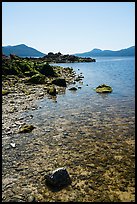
(84, 109)
(90, 134)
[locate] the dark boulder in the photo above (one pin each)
(73, 89)
(36, 79)
(47, 70)
(59, 82)
(59, 178)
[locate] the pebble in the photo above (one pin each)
(65, 134)
(13, 145)
(92, 185)
(10, 132)
(91, 165)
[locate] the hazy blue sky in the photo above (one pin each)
(69, 27)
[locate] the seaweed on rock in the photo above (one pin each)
(103, 89)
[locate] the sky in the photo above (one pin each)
(69, 27)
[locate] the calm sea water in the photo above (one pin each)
(89, 109)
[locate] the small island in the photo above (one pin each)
(60, 58)
(103, 88)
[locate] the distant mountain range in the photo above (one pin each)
(25, 51)
(108, 53)
(21, 51)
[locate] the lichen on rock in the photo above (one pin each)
(103, 89)
(26, 128)
(37, 79)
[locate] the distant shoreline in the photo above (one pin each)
(23, 50)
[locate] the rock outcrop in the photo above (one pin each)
(103, 89)
(36, 79)
(47, 70)
(59, 82)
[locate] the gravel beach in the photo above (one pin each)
(102, 169)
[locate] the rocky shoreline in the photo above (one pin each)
(102, 169)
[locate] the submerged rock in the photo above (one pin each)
(26, 128)
(103, 89)
(58, 178)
